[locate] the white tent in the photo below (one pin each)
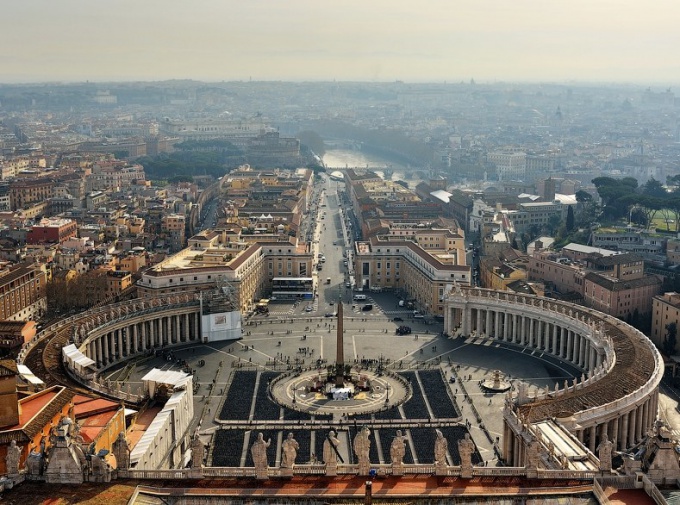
(28, 376)
(76, 359)
(170, 377)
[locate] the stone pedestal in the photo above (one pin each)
(286, 471)
(440, 470)
(398, 469)
(262, 473)
(331, 469)
(466, 471)
(364, 468)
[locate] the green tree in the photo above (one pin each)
(613, 193)
(570, 219)
(653, 188)
(670, 340)
(583, 196)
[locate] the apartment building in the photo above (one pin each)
(510, 164)
(24, 193)
(665, 310)
(22, 292)
(560, 274)
(423, 276)
(246, 268)
(173, 228)
(536, 214)
(52, 231)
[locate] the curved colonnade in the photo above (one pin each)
(137, 327)
(617, 393)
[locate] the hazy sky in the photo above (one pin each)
(372, 40)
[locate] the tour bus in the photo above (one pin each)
(359, 298)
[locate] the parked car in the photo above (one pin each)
(397, 319)
(367, 307)
(403, 330)
(329, 314)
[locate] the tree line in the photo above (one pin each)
(623, 198)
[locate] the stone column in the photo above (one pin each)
(639, 427)
(120, 342)
(632, 415)
(98, 350)
(570, 345)
(105, 348)
(128, 340)
(197, 324)
(134, 329)
(563, 342)
(532, 328)
(624, 431)
(591, 442)
(478, 322)
(488, 330)
(615, 431)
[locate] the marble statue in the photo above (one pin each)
(289, 451)
(13, 458)
(398, 449)
(441, 446)
(465, 448)
(121, 450)
(197, 451)
(362, 448)
(330, 453)
(259, 452)
(604, 452)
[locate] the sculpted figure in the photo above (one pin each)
(362, 446)
(330, 447)
(465, 448)
(290, 448)
(13, 457)
(604, 452)
(121, 450)
(398, 449)
(198, 451)
(259, 451)
(441, 446)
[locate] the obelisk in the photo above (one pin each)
(340, 352)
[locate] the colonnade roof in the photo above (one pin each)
(635, 365)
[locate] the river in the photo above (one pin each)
(343, 158)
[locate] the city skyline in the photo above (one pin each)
(301, 40)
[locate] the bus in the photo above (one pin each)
(292, 288)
